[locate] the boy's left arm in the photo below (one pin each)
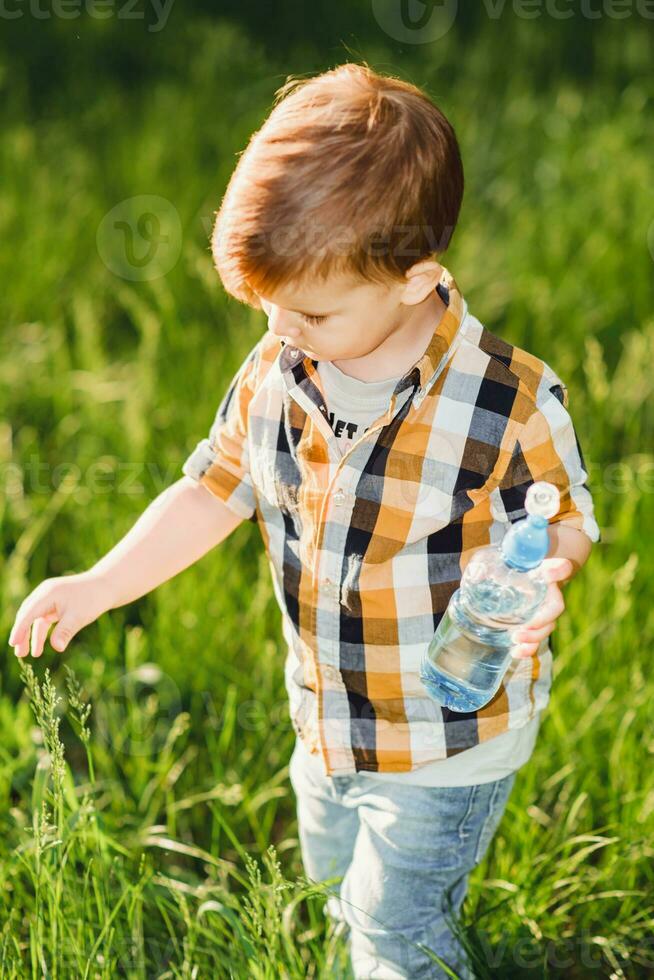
(545, 447)
(569, 550)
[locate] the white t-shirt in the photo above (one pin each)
(352, 406)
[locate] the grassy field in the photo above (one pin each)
(147, 824)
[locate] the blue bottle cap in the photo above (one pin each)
(527, 542)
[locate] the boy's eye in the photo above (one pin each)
(313, 320)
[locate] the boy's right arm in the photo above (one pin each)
(178, 527)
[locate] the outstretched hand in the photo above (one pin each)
(527, 638)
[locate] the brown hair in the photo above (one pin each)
(352, 173)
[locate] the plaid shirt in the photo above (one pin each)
(366, 548)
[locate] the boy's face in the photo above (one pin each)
(341, 318)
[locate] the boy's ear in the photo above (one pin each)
(422, 279)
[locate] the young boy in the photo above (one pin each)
(379, 435)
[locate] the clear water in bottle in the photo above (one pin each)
(500, 589)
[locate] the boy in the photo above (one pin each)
(378, 434)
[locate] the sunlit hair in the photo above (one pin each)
(353, 173)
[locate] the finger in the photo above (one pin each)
(535, 635)
(556, 569)
(40, 629)
(22, 648)
(524, 650)
(24, 637)
(552, 607)
(36, 604)
(63, 633)
(546, 615)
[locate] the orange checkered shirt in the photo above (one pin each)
(366, 548)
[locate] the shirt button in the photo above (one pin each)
(331, 588)
(331, 673)
(339, 497)
(294, 352)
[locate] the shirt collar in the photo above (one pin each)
(427, 364)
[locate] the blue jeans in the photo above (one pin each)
(399, 852)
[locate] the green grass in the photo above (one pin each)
(137, 841)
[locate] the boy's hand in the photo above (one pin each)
(527, 637)
(71, 601)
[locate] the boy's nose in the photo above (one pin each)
(281, 323)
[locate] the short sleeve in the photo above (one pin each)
(221, 460)
(547, 448)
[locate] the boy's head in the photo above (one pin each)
(340, 205)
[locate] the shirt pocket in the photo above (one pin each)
(401, 507)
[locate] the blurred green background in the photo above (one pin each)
(111, 369)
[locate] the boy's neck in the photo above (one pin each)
(400, 351)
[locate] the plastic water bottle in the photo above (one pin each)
(500, 589)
